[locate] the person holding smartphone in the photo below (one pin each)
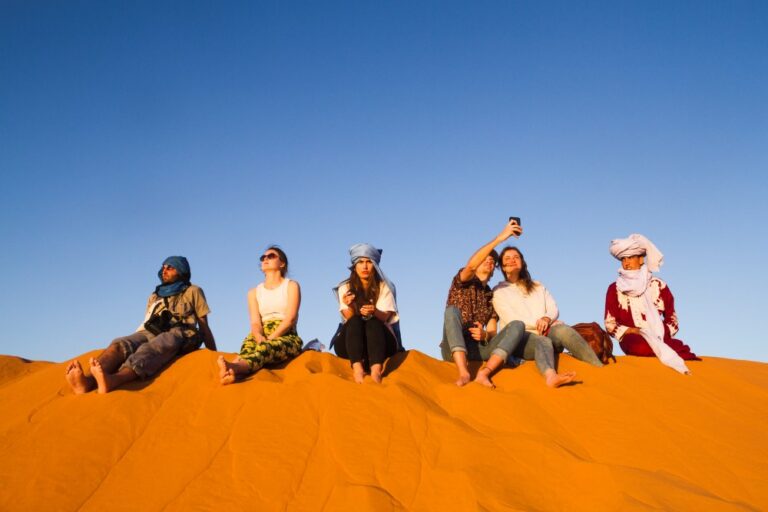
(274, 310)
(469, 322)
(367, 304)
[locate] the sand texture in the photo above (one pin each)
(631, 436)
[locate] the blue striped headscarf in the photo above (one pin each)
(181, 265)
(358, 251)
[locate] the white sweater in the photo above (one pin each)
(512, 303)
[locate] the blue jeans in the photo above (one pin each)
(146, 354)
(542, 348)
(503, 344)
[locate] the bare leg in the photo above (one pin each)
(230, 372)
(107, 382)
(555, 380)
(111, 359)
(460, 358)
(78, 381)
(376, 373)
(358, 372)
(484, 373)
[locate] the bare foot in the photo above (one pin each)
(376, 373)
(102, 379)
(229, 377)
(464, 378)
(555, 380)
(484, 378)
(358, 373)
(223, 367)
(226, 374)
(76, 378)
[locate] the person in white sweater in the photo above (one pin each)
(521, 298)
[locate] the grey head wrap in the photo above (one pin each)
(358, 251)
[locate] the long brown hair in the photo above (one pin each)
(364, 295)
(524, 279)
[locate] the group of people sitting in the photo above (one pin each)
(517, 319)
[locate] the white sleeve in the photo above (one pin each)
(341, 291)
(550, 306)
(386, 302)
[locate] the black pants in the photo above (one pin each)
(367, 341)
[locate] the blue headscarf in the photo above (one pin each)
(358, 251)
(181, 265)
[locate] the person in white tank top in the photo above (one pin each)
(274, 310)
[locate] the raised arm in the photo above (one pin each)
(468, 272)
(291, 313)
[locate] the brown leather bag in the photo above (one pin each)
(598, 339)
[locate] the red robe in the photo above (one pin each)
(623, 311)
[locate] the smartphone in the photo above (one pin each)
(517, 220)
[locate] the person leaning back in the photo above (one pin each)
(175, 323)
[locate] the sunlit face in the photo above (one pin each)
(364, 268)
(511, 262)
(632, 262)
(487, 266)
(170, 274)
(270, 260)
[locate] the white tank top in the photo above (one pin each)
(272, 303)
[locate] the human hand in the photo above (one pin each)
(259, 337)
(477, 332)
(542, 325)
(367, 310)
(348, 298)
(511, 229)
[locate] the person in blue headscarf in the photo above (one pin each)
(175, 322)
(368, 308)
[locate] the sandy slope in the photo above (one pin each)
(632, 436)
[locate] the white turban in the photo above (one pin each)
(637, 245)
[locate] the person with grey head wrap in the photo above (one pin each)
(367, 303)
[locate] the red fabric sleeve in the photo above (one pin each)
(669, 314)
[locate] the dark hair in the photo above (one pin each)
(495, 256)
(281, 256)
(524, 279)
(362, 295)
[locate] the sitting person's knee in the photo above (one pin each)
(544, 342)
(451, 313)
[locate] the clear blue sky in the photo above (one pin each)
(130, 131)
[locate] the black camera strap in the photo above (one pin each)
(178, 320)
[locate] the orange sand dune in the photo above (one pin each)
(632, 436)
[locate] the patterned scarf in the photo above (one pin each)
(636, 283)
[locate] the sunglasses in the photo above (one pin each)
(269, 256)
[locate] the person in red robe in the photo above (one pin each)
(640, 307)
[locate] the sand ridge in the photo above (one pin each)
(631, 436)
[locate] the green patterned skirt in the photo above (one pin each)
(259, 354)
